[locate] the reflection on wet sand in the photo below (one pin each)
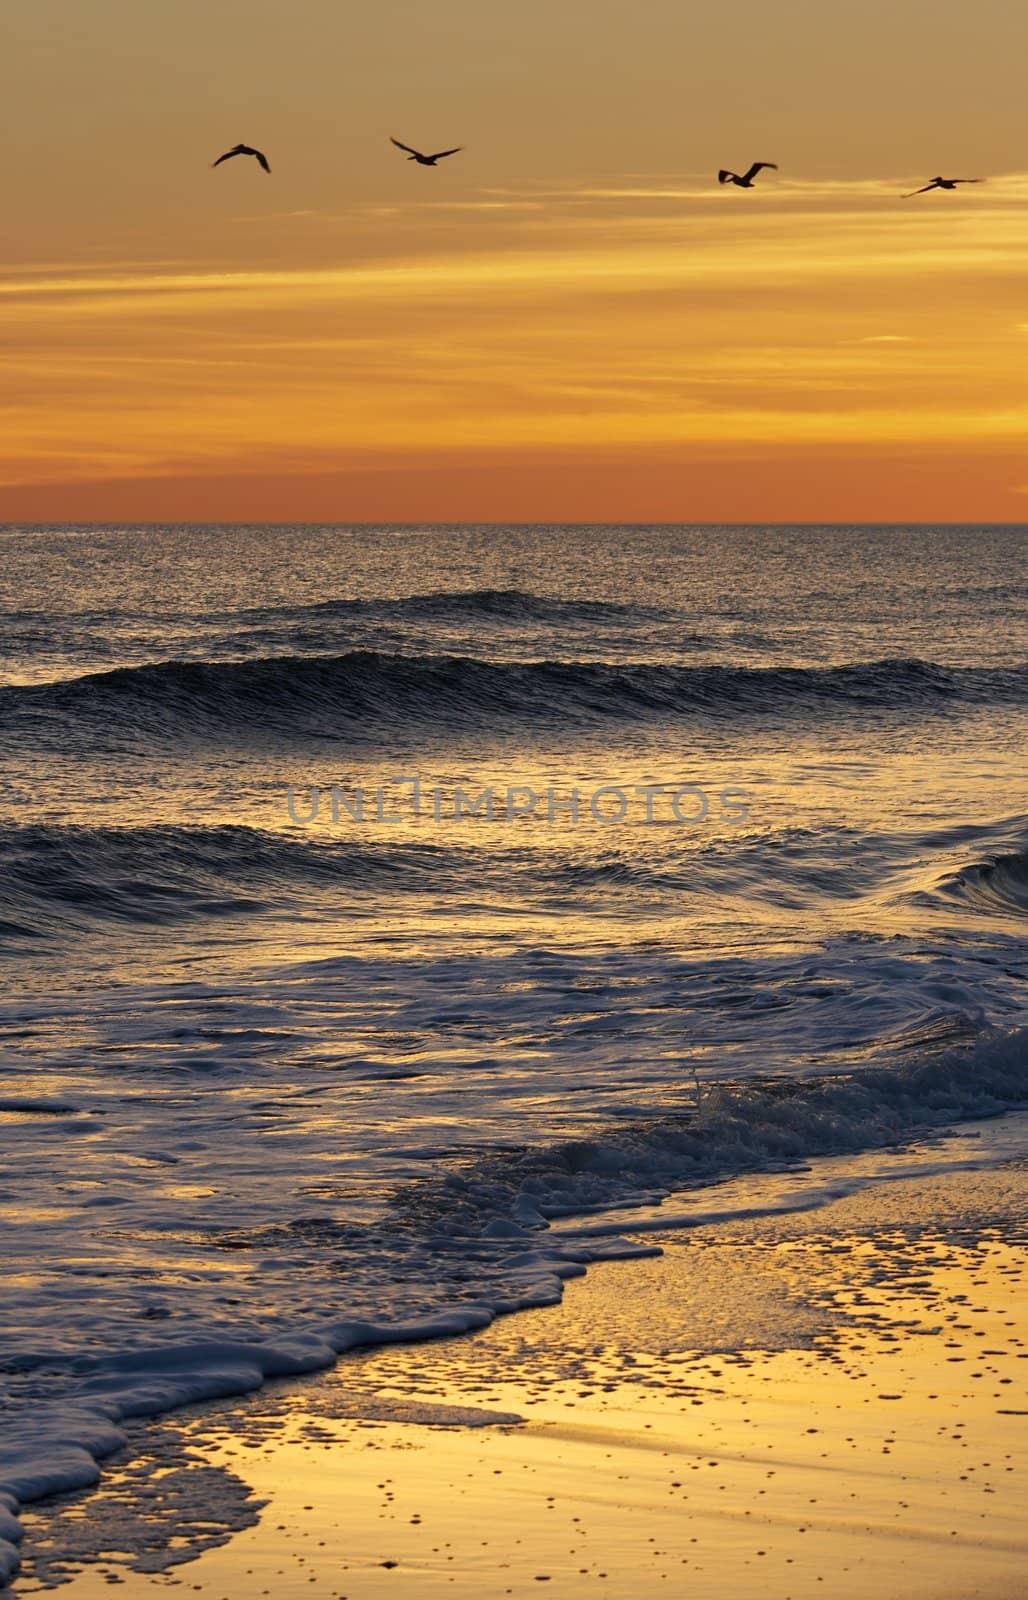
(818, 1403)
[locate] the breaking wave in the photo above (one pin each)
(999, 885)
(480, 1242)
(339, 696)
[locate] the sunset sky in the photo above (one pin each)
(569, 320)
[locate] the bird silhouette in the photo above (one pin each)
(422, 160)
(745, 180)
(941, 183)
(243, 150)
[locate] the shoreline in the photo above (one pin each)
(60, 1452)
(725, 1339)
(593, 1209)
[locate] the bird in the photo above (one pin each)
(424, 161)
(243, 150)
(745, 180)
(941, 183)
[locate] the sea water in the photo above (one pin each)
(377, 901)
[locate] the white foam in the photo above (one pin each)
(58, 1446)
(206, 1220)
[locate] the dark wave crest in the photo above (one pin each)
(54, 878)
(339, 696)
(505, 605)
(997, 886)
(60, 877)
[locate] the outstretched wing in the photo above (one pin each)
(262, 159)
(228, 156)
(401, 146)
(440, 153)
(724, 175)
(758, 166)
(968, 180)
(925, 190)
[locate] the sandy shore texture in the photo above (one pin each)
(832, 1403)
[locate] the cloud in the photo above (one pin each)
(620, 316)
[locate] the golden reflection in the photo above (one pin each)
(590, 334)
(833, 1404)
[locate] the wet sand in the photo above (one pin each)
(831, 1403)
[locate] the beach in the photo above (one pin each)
(405, 936)
(513, 809)
(827, 1401)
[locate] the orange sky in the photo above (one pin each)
(570, 320)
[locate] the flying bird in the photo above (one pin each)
(424, 161)
(745, 180)
(941, 183)
(243, 150)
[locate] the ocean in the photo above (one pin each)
(383, 908)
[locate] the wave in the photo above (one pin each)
(27, 626)
(366, 692)
(54, 878)
(480, 1242)
(735, 1127)
(45, 647)
(62, 877)
(998, 885)
(506, 605)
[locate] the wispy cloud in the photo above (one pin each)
(612, 316)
